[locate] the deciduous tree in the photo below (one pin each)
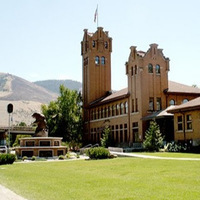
(64, 116)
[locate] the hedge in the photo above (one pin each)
(98, 153)
(7, 158)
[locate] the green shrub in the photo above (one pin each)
(61, 157)
(7, 158)
(33, 158)
(24, 158)
(98, 153)
(175, 147)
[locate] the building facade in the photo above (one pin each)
(127, 112)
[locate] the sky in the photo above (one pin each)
(40, 39)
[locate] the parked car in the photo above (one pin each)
(3, 149)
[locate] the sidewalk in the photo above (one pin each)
(6, 194)
(150, 157)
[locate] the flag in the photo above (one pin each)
(96, 14)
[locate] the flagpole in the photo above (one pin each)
(97, 16)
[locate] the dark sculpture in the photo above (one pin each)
(41, 130)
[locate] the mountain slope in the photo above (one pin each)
(13, 88)
(54, 85)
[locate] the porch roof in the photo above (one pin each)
(159, 114)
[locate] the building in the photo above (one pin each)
(187, 121)
(127, 112)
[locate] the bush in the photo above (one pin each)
(24, 158)
(33, 158)
(61, 157)
(98, 153)
(7, 158)
(174, 147)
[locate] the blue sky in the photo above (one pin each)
(40, 39)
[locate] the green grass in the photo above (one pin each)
(114, 179)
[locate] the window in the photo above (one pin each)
(108, 111)
(180, 123)
(135, 131)
(125, 133)
(184, 101)
(103, 61)
(135, 69)
(105, 112)
(131, 71)
(113, 110)
(116, 133)
(151, 106)
(97, 60)
(121, 133)
(106, 45)
(133, 105)
(158, 104)
(171, 102)
(189, 122)
(136, 105)
(117, 109)
(93, 43)
(150, 68)
(126, 108)
(121, 108)
(157, 69)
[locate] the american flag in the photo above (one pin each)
(96, 14)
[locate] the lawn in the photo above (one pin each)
(114, 179)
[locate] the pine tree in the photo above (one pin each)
(153, 137)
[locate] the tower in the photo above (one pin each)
(96, 51)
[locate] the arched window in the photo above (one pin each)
(121, 108)
(157, 69)
(150, 68)
(172, 102)
(103, 61)
(113, 110)
(105, 112)
(135, 69)
(97, 60)
(106, 45)
(93, 43)
(184, 101)
(108, 111)
(117, 109)
(126, 108)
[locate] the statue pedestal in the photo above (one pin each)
(41, 147)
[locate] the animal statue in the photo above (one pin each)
(41, 130)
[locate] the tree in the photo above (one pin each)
(106, 139)
(64, 116)
(153, 138)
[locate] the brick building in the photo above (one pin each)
(127, 112)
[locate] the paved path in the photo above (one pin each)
(150, 157)
(6, 194)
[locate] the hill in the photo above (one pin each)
(54, 85)
(27, 97)
(13, 88)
